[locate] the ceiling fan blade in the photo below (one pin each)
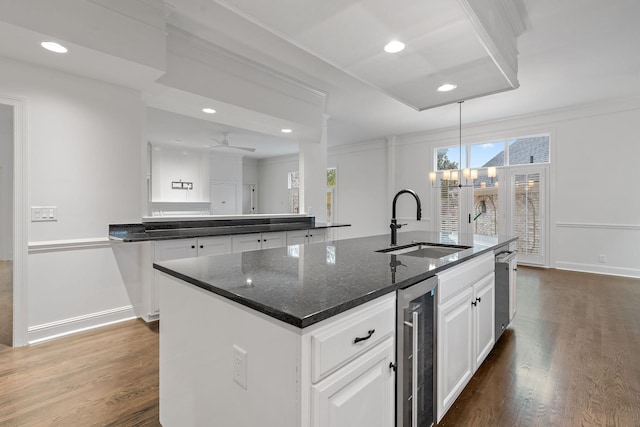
(243, 148)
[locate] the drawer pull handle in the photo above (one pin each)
(369, 333)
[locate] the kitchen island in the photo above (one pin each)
(266, 337)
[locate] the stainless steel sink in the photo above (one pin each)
(425, 250)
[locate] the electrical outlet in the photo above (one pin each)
(602, 259)
(240, 366)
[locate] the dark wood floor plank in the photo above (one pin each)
(570, 358)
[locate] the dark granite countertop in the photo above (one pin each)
(304, 284)
(140, 233)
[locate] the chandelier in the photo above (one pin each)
(461, 177)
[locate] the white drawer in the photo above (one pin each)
(334, 345)
(455, 279)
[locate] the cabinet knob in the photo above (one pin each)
(474, 303)
(479, 299)
(393, 366)
(193, 246)
(201, 246)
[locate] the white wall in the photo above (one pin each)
(84, 156)
(273, 176)
(594, 207)
(174, 164)
(361, 176)
(6, 182)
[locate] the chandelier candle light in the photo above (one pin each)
(456, 176)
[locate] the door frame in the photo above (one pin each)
(20, 220)
(543, 170)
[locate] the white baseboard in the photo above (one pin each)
(598, 269)
(48, 331)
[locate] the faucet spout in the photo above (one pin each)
(394, 223)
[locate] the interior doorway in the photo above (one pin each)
(6, 224)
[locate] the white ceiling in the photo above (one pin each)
(572, 52)
(166, 128)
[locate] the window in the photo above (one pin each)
(486, 154)
(511, 202)
(529, 150)
(294, 192)
(449, 158)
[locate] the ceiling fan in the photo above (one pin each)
(225, 144)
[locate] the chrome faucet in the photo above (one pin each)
(394, 223)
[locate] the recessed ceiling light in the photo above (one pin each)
(285, 130)
(54, 47)
(209, 110)
(394, 46)
(447, 87)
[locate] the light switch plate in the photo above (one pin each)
(44, 213)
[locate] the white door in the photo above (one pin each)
(214, 245)
(484, 318)
(296, 237)
(455, 348)
(223, 198)
(174, 249)
(528, 213)
(274, 240)
(359, 394)
(246, 242)
(316, 236)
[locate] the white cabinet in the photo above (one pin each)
(214, 245)
(483, 308)
(320, 376)
(359, 394)
(165, 250)
(246, 242)
(455, 349)
(300, 237)
(466, 326)
(256, 241)
(353, 383)
(175, 249)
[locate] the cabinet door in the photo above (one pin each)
(246, 242)
(359, 394)
(296, 237)
(165, 250)
(316, 236)
(214, 245)
(455, 348)
(174, 249)
(274, 240)
(484, 318)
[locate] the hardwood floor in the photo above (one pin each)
(6, 304)
(104, 377)
(571, 358)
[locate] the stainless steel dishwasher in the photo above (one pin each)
(415, 330)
